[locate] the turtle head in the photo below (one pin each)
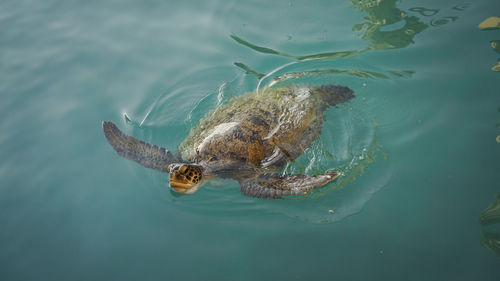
(185, 178)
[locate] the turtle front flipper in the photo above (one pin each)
(148, 155)
(277, 186)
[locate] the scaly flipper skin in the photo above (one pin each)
(148, 155)
(277, 186)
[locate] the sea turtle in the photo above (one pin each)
(248, 139)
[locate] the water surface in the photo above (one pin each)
(419, 146)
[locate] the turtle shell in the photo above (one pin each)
(266, 127)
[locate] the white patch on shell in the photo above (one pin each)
(218, 131)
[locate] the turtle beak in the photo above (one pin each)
(184, 188)
(179, 185)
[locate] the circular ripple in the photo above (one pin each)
(349, 142)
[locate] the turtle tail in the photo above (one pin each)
(334, 95)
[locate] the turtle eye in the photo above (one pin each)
(170, 167)
(183, 169)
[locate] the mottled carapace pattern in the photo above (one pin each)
(266, 128)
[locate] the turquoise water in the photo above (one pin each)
(418, 146)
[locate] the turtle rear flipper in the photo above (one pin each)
(277, 186)
(334, 95)
(148, 155)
